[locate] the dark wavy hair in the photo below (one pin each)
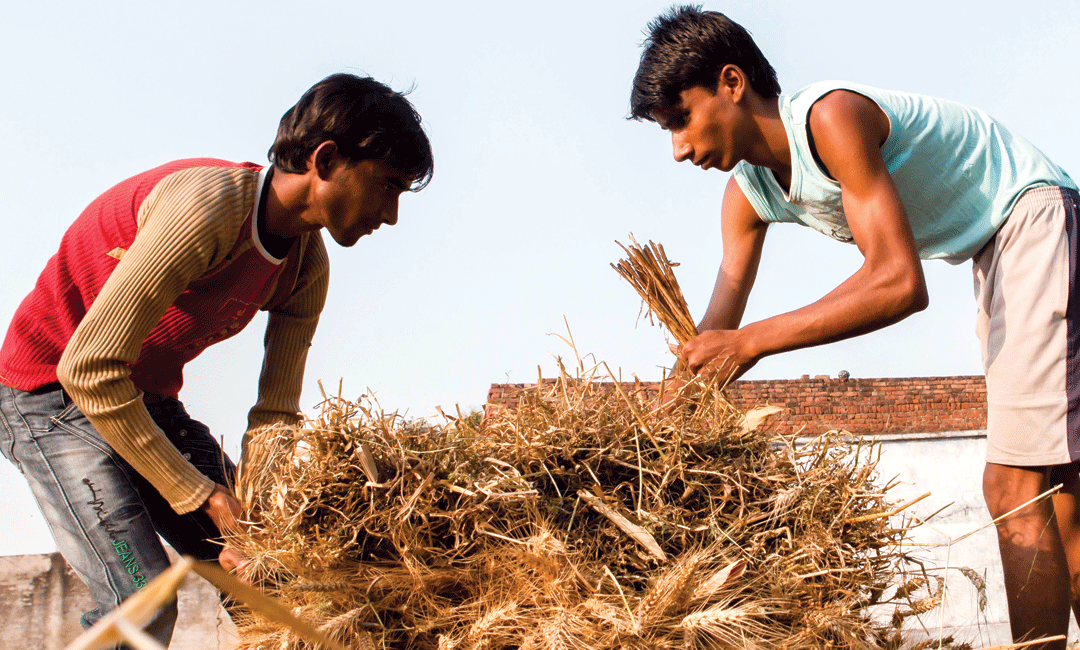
(365, 118)
(686, 47)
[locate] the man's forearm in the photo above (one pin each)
(865, 302)
(856, 307)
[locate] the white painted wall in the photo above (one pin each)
(950, 466)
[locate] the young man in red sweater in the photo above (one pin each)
(155, 270)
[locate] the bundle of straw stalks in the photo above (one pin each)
(580, 519)
(585, 518)
(651, 273)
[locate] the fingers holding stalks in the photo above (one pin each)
(224, 510)
(717, 354)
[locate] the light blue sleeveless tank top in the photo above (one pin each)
(959, 171)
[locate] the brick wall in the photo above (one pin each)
(865, 406)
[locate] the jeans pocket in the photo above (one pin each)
(27, 412)
(68, 412)
(72, 420)
(23, 415)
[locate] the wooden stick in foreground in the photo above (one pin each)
(124, 624)
(1024, 644)
(259, 601)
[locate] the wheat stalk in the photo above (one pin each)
(733, 627)
(649, 271)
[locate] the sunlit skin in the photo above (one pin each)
(716, 128)
(350, 199)
(357, 198)
(1040, 547)
(224, 510)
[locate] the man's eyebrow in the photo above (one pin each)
(670, 118)
(677, 117)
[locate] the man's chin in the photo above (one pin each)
(347, 239)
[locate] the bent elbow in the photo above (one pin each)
(922, 301)
(916, 304)
(916, 298)
(903, 294)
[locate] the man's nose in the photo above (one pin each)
(390, 214)
(680, 148)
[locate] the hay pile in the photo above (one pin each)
(584, 518)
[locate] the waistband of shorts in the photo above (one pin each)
(1046, 196)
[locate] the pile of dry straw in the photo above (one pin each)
(585, 518)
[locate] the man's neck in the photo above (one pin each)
(770, 148)
(287, 201)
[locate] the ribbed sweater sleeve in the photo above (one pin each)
(289, 330)
(187, 224)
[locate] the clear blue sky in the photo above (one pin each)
(537, 173)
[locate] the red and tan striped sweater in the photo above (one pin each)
(155, 270)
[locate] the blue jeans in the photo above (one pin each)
(104, 516)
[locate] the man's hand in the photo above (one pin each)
(223, 509)
(726, 354)
(233, 560)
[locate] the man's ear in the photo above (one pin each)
(733, 80)
(324, 159)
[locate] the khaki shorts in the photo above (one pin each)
(1029, 331)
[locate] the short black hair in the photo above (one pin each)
(365, 118)
(686, 47)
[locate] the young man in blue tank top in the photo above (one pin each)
(904, 177)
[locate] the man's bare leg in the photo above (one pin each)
(1067, 513)
(1032, 555)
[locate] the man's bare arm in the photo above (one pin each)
(743, 237)
(889, 286)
